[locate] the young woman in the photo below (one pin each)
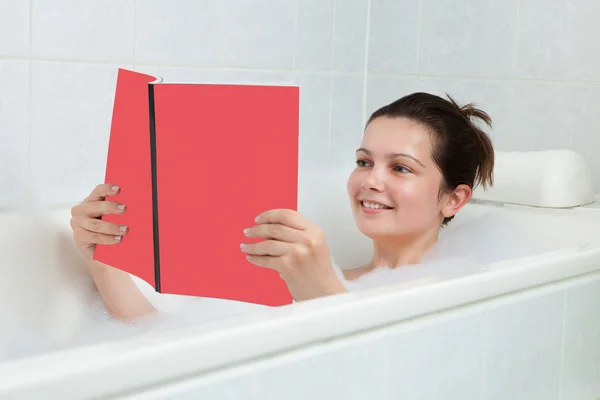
(419, 160)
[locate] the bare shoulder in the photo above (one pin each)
(355, 273)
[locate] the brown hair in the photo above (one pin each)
(461, 150)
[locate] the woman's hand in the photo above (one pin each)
(88, 229)
(119, 292)
(296, 249)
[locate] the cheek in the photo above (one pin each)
(414, 196)
(353, 185)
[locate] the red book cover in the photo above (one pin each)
(196, 164)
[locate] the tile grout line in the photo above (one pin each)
(485, 351)
(516, 38)
(331, 63)
(512, 100)
(561, 362)
(587, 83)
(366, 64)
(29, 184)
(221, 17)
(511, 115)
(419, 28)
(295, 36)
(135, 11)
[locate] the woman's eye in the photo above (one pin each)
(362, 163)
(401, 168)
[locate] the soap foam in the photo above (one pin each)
(486, 236)
(482, 236)
(98, 325)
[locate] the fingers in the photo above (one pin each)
(100, 192)
(266, 248)
(286, 217)
(82, 235)
(85, 222)
(103, 227)
(274, 231)
(265, 262)
(95, 209)
(96, 231)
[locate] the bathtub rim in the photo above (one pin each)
(137, 363)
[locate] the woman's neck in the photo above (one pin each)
(395, 252)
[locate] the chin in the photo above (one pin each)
(371, 229)
(372, 234)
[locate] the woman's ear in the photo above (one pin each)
(456, 200)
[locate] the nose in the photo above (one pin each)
(373, 181)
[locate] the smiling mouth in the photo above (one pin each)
(374, 206)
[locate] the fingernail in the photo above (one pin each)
(246, 231)
(121, 206)
(123, 228)
(248, 257)
(118, 238)
(256, 219)
(114, 188)
(243, 245)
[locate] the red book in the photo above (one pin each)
(196, 164)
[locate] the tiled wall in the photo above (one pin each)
(534, 65)
(538, 344)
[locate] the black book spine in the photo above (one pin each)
(154, 186)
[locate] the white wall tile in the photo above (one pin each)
(468, 38)
(393, 37)
(178, 74)
(586, 128)
(178, 32)
(348, 369)
(221, 76)
(346, 119)
(540, 120)
(256, 77)
(72, 108)
(493, 97)
(314, 35)
(258, 33)
(90, 30)
(14, 28)
(556, 116)
(581, 353)
(557, 39)
(524, 336)
(382, 90)
(14, 133)
(350, 32)
(314, 120)
(234, 76)
(439, 360)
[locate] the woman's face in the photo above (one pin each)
(394, 190)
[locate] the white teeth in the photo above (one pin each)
(372, 205)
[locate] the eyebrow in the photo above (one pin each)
(392, 155)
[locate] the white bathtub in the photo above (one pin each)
(526, 328)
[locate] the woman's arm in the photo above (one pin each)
(120, 294)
